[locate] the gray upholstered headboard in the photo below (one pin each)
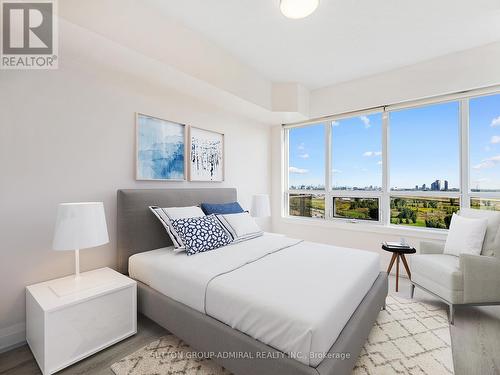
(139, 230)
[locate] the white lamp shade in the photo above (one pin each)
(260, 206)
(80, 225)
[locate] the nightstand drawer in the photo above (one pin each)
(61, 336)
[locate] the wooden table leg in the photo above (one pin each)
(397, 273)
(403, 258)
(392, 262)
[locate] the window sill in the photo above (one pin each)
(422, 233)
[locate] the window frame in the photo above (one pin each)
(287, 190)
(384, 195)
(476, 194)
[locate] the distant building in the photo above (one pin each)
(424, 187)
(446, 185)
(436, 185)
(416, 187)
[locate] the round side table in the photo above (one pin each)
(398, 253)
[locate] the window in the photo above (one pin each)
(357, 153)
(484, 143)
(424, 148)
(400, 165)
(307, 205)
(306, 158)
(356, 208)
(485, 204)
(306, 171)
(423, 211)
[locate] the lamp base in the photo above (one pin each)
(75, 284)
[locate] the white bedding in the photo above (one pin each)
(292, 295)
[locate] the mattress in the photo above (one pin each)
(293, 295)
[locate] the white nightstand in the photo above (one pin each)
(66, 323)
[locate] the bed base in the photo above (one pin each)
(206, 334)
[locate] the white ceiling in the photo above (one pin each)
(343, 39)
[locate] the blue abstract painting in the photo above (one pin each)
(160, 149)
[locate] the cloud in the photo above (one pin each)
(365, 121)
(336, 171)
(379, 162)
(372, 153)
(296, 170)
(495, 122)
(304, 156)
(488, 163)
(335, 123)
(495, 139)
(301, 147)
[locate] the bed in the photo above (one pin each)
(225, 301)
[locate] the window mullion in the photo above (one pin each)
(385, 201)
(285, 210)
(464, 154)
(328, 172)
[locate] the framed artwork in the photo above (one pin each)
(160, 149)
(206, 155)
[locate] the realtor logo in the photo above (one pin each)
(29, 35)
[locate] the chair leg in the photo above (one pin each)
(452, 315)
(412, 290)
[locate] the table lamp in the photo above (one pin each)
(80, 226)
(260, 206)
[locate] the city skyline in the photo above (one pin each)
(436, 185)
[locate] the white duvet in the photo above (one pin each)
(293, 295)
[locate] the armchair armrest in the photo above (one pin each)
(431, 247)
(481, 278)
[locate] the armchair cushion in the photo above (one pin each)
(440, 274)
(481, 278)
(491, 244)
(431, 247)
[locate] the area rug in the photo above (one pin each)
(409, 337)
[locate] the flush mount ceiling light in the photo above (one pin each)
(296, 9)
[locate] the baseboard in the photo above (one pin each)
(13, 336)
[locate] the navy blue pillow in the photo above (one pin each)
(221, 208)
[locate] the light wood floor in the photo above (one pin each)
(475, 341)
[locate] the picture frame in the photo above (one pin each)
(160, 149)
(206, 153)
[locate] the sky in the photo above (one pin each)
(424, 147)
(357, 151)
(484, 136)
(307, 155)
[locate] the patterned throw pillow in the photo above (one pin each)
(201, 234)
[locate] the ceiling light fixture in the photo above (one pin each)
(296, 9)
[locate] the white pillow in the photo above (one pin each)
(491, 243)
(183, 212)
(240, 226)
(465, 236)
(171, 213)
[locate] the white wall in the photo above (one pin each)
(68, 135)
(470, 69)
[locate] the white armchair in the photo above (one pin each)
(464, 280)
